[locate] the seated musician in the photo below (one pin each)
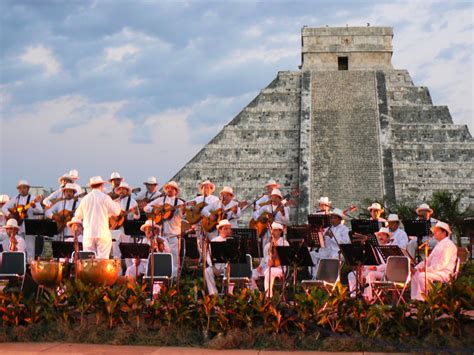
(115, 180)
(75, 226)
(3, 218)
(228, 206)
(160, 245)
(371, 273)
(171, 227)
(63, 211)
(74, 174)
(58, 194)
(324, 206)
(440, 264)
(398, 236)
(24, 201)
(270, 260)
(151, 192)
(276, 209)
(269, 187)
(425, 213)
(14, 241)
(224, 229)
(337, 233)
(376, 210)
(129, 210)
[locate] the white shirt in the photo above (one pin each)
(21, 245)
(264, 199)
(22, 200)
(123, 206)
(232, 217)
(341, 233)
(95, 210)
(279, 243)
(442, 259)
(173, 225)
(150, 196)
(279, 218)
(399, 238)
(209, 200)
(63, 205)
(59, 194)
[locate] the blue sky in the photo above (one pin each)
(140, 87)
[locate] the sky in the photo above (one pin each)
(139, 87)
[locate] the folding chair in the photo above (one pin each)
(240, 274)
(396, 279)
(162, 270)
(327, 276)
(13, 266)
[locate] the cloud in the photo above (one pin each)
(117, 54)
(41, 56)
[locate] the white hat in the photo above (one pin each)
(443, 226)
(207, 182)
(151, 180)
(223, 223)
(375, 206)
(324, 200)
(65, 177)
(424, 207)
(74, 174)
(123, 185)
(4, 198)
(383, 230)
(276, 192)
(96, 180)
(392, 217)
(148, 223)
(115, 175)
(173, 184)
(337, 212)
(70, 186)
(276, 225)
(272, 182)
(227, 189)
(11, 223)
(74, 220)
(22, 183)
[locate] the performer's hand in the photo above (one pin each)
(259, 269)
(373, 268)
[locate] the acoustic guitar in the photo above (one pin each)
(59, 199)
(20, 212)
(210, 223)
(163, 213)
(61, 218)
(193, 213)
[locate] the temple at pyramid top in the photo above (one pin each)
(346, 48)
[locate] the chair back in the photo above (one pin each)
(163, 265)
(13, 263)
(242, 270)
(398, 269)
(457, 267)
(84, 255)
(328, 270)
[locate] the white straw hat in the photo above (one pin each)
(207, 182)
(149, 223)
(324, 200)
(96, 180)
(22, 183)
(227, 189)
(223, 223)
(123, 185)
(393, 218)
(383, 230)
(276, 225)
(4, 198)
(173, 184)
(74, 174)
(442, 225)
(115, 175)
(70, 186)
(337, 212)
(424, 207)
(151, 180)
(11, 223)
(375, 206)
(74, 220)
(276, 192)
(65, 177)
(272, 182)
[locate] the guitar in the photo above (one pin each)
(193, 213)
(162, 213)
(61, 218)
(115, 222)
(75, 198)
(20, 212)
(115, 196)
(210, 223)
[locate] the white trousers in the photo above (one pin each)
(211, 279)
(418, 284)
(101, 246)
(271, 274)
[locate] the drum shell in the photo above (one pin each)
(47, 273)
(98, 271)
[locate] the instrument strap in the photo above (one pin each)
(128, 203)
(74, 206)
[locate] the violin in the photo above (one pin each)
(13, 244)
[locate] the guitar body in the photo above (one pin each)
(210, 223)
(115, 222)
(18, 213)
(162, 213)
(142, 203)
(193, 213)
(61, 218)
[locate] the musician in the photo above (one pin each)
(324, 206)
(398, 236)
(76, 228)
(14, 241)
(371, 273)
(337, 233)
(440, 263)
(74, 174)
(269, 187)
(128, 208)
(229, 207)
(68, 204)
(224, 229)
(270, 260)
(376, 210)
(425, 212)
(280, 212)
(151, 192)
(170, 228)
(63, 180)
(24, 200)
(3, 218)
(115, 180)
(94, 211)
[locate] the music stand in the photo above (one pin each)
(190, 245)
(298, 234)
(319, 221)
(247, 238)
(134, 250)
(63, 250)
(417, 228)
(296, 256)
(226, 253)
(132, 228)
(365, 226)
(40, 228)
(467, 229)
(388, 250)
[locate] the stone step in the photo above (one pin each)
(409, 95)
(420, 114)
(428, 133)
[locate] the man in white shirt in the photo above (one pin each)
(337, 233)
(269, 187)
(324, 206)
(151, 192)
(62, 210)
(115, 180)
(74, 174)
(49, 201)
(14, 242)
(170, 228)
(94, 210)
(440, 263)
(3, 218)
(376, 210)
(398, 236)
(24, 200)
(75, 226)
